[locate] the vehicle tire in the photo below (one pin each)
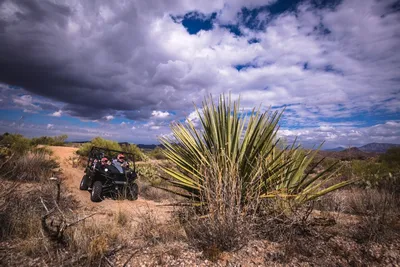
(133, 191)
(97, 190)
(84, 181)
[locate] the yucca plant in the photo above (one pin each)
(233, 158)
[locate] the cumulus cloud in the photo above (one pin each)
(57, 113)
(25, 101)
(159, 114)
(132, 60)
(109, 117)
(342, 135)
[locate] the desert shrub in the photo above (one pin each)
(21, 211)
(233, 161)
(16, 143)
(153, 231)
(109, 144)
(98, 142)
(391, 157)
(50, 141)
(133, 149)
(157, 153)
(92, 241)
(45, 150)
(149, 173)
(34, 166)
(378, 211)
(278, 225)
(373, 174)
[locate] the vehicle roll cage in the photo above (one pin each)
(97, 153)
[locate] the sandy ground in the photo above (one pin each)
(72, 179)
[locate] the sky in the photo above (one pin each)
(125, 70)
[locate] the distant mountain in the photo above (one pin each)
(372, 147)
(142, 146)
(348, 154)
(339, 148)
(377, 147)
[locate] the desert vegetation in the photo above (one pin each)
(113, 145)
(225, 192)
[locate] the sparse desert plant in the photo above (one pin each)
(378, 211)
(34, 166)
(49, 140)
(233, 161)
(98, 142)
(230, 140)
(121, 218)
(16, 143)
(93, 240)
(153, 231)
(391, 157)
(135, 150)
(157, 153)
(149, 173)
(109, 144)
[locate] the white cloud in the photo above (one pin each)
(26, 102)
(109, 117)
(158, 66)
(50, 126)
(57, 113)
(345, 135)
(160, 114)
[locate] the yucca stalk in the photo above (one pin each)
(235, 148)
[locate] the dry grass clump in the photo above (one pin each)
(156, 194)
(153, 231)
(216, 234)
(34, 166)
(121, 218)
(378, 211)
(21, 211)
(92, 241)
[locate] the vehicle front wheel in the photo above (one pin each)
(84, 181)
(97, 190)
(133, 191)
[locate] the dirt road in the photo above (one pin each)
(72, 179)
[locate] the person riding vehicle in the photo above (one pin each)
(120, 163)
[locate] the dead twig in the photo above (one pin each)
(131, 256)
(108, 261)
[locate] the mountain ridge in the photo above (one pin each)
(370, 147)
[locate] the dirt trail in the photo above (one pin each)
(73, 178)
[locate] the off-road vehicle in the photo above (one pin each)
(103, 177)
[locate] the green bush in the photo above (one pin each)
(157, 153)
(113, 145)
(50, 141)
(99, 142)
(391, 158)
(150, 174)
(17, 143)
(133, 149)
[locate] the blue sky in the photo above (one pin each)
(126, 70)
